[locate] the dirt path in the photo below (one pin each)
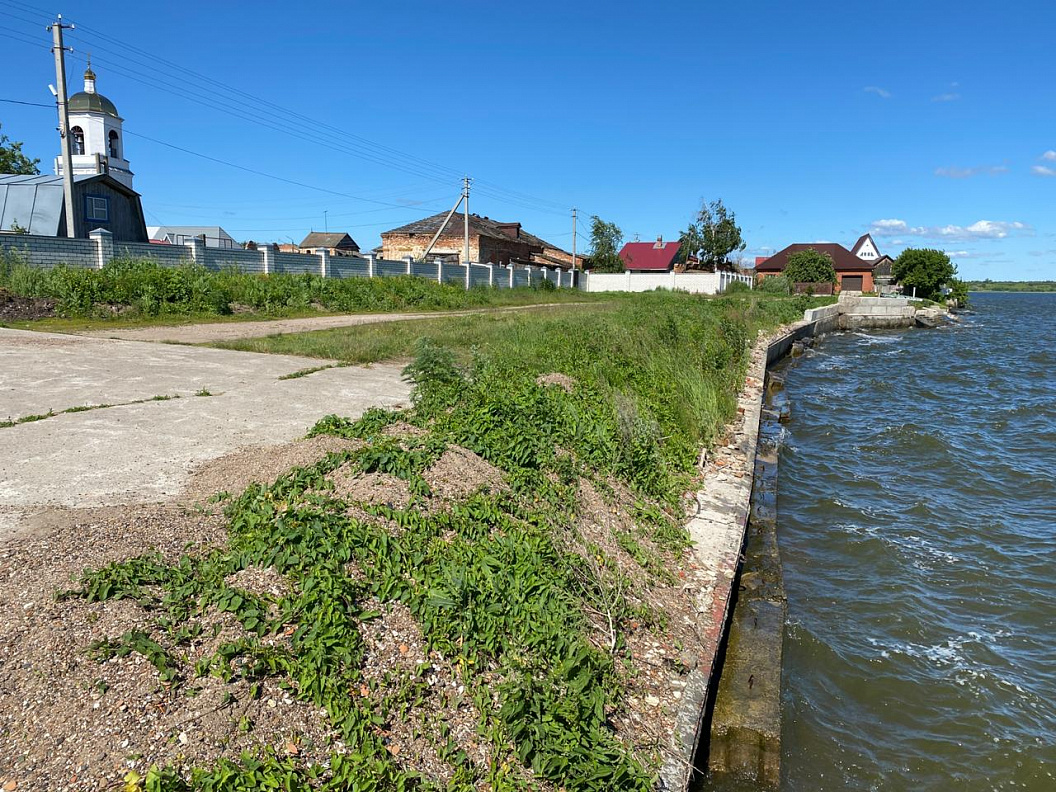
(143, 450)
(229, 331)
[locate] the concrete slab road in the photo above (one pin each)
(145, 452)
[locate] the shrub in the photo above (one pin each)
(775, 284)
(810, 266)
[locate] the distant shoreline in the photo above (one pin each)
(1012, 287)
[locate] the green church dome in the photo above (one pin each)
(85, 102)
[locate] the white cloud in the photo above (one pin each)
(965, 173)
(981, 229)
(946, 97)
(882, 93)
(1049, 155)
(1042, 170)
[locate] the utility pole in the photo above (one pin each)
(326, 221)
(64, 120)
(573, 239)
(465, 209)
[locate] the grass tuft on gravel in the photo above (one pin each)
(531, 611)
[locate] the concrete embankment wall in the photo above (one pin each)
(718, 533)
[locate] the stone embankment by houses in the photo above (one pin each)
(855, 312)
(751, 734)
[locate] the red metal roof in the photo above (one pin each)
(843, 260)
(651, 256)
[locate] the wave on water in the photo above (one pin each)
(916, 504)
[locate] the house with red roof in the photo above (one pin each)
(858, 269)
(659, 256)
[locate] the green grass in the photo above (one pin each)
(134, 292)
(491, 578)
(7, 424)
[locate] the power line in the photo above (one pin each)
(263, 173)
(31, 104)
(240, 104)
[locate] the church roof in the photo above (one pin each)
(85, 102)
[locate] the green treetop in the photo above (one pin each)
(13, 161)
(924, 269)
(712, 237)
(606, 239)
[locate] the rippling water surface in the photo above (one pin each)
(917, 519)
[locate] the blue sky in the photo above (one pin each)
(928, 123)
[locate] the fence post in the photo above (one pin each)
(491, 274)
(324, 262)
(269, 258)
(197, 247)
(672, 280)
(512, 280)
(103, 241)
(439, 270)
(410, 264)
(371, 268)
(469, 273)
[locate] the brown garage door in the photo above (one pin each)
(851, 283)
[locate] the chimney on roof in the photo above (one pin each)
(512, 230)
(659, 242)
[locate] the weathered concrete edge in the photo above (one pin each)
(714, 611)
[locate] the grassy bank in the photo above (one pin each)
(134, 291)
(524, 515)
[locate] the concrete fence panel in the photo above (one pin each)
(48, 252)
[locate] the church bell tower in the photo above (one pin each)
(96, 138)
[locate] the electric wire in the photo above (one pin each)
(385, 155)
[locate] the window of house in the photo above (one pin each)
(96, 207)
(114, 150)
(77, 139)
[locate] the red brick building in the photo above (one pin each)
(852, 273)
(489, 241)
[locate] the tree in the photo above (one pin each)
(925, 269)
(606, 239)
(13, 161)
(810, 266)
(712, 237)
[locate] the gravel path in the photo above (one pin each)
(229, 331)
(146, 452)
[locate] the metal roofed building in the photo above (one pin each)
(658, 256)
(215, 236)
(36, 204)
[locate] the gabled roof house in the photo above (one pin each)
(858, 269)
(658, 256)
(337, 244)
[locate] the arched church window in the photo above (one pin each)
(77, 138)
(114, 150)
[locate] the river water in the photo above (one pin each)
(917, 524)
